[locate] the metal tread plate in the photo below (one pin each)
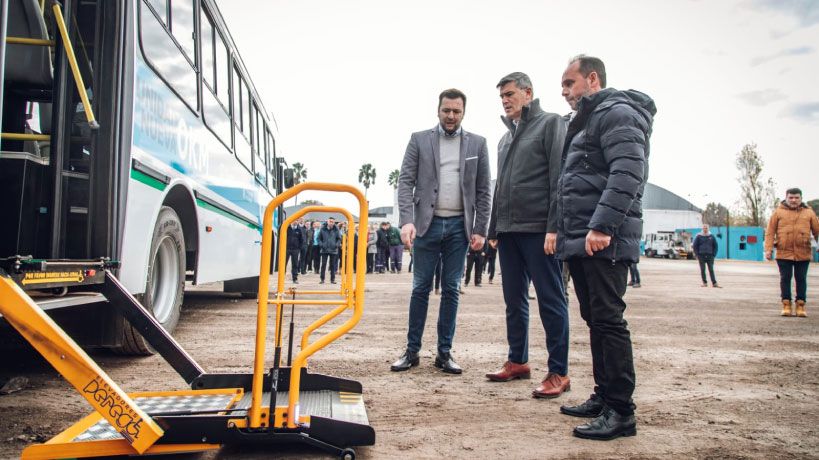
(345, 406)
(102, 430)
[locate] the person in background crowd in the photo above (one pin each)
(489, 263)
(295, 241)
(307, 265)
(383, 258)
(705, 249)
(474, 258)
(443, 200)
(372, 239)
(396, 248)
(791, 230)
(316, 260)
(329, 243)
(305, 242)
(602, 179)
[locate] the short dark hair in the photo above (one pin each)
(793, 191)
(451, 93)
(521, 80)
(589, 64)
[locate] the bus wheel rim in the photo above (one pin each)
(166, 279)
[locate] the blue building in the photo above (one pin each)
(739, 243)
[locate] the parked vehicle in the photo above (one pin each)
(670, 245)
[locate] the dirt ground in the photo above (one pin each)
(719, 374)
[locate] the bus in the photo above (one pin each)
(139, 141)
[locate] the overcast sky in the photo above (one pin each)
(348, 81)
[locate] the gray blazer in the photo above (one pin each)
(418, 182)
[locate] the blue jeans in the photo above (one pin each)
(521, 259)
(446, 239)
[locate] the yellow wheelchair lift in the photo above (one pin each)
(284, 405)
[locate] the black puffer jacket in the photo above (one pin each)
(604, 172)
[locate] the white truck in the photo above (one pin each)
(670, 245)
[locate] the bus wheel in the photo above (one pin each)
(166, 281)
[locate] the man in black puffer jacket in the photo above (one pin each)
(603, 175)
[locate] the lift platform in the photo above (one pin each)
(283, 404)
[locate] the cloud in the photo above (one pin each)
(800, 51)
(762, 97)
(807, 112)
(806, 12)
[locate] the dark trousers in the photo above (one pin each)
(521, 260)
(445, 241)
(634, 272)
(707, 260)
(789, 269)
(490, 267)
(370, 262)
(333, 263)
(315, 259)
(396, 254)
(293, 257)
(383, 259)
(600, 286)
(303, 261)
(474, 258)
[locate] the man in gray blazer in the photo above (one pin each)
(444, 202)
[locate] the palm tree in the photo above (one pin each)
(393, 179)
(366, 176)
(299, 175)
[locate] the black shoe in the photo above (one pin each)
(295, 281)
(407, 360)
(445, 362)
(321, 282)
(332, 281)
(592, 408)
(608, 425)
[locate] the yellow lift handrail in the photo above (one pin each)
(346, 277)
(75, 70)
(355, 299)
(344, 288)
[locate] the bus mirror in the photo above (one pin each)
(289, 179)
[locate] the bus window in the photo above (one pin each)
(182, 25)
(161, 9)
(237, 100)
(222, 70)
(247, 108)
(166, 59)
(206, 39)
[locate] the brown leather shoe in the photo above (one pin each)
(552, 386)
(510, 371)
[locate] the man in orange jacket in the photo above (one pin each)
(790, 230)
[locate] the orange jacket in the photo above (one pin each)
(789, 230)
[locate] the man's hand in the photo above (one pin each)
(768, 255)
(596, 241)
(550, 244)
(477, 242)
(408, 234)
(493, 243)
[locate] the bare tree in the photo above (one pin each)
(757, 193)
(715, 214)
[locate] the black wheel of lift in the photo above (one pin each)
(165, 284)
(347, 454)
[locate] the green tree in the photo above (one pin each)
(757, 194)
(393, 179)
(715, 214)
(815, 205)
(366, 176)
(299, 175)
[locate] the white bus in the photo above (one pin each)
(173, 183)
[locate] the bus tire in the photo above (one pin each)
(165, 284)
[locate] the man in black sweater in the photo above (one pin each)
(705, 249)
